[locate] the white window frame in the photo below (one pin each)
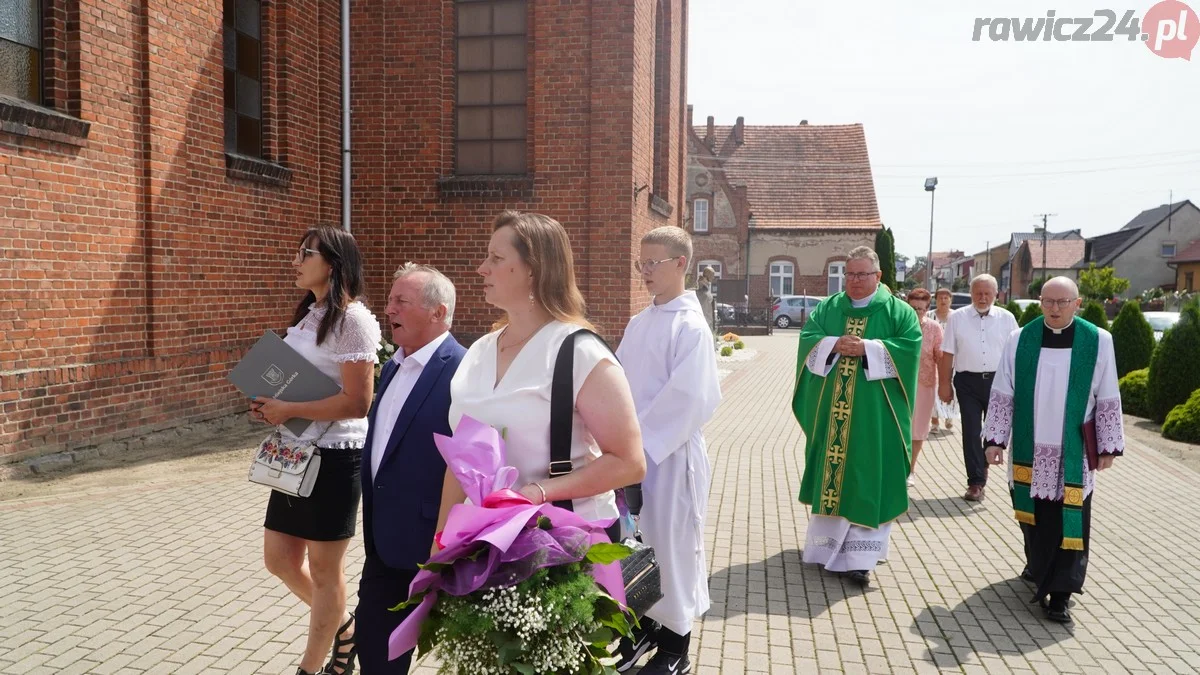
(835, 270)
(700, 224)
(786, 272)
(1162, 249)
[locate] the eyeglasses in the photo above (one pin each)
(648, 266)
(860, 276)
(303, 253)
(1057, 303)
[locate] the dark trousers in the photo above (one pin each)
(1055, 569)
(973, 391)
(381, 587)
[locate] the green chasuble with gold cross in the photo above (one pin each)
(858, 439)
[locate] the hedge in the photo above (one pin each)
(1133, 339)
(1175, 368)
(1031, 312)
(1094, 313)
(1183, 422)
(1133, 393)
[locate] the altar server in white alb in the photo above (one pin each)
(667, 353)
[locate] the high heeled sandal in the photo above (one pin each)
(342, 662)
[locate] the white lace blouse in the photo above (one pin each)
(356, 339)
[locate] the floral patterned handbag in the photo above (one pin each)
(290, 467)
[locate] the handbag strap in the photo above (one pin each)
(562, 405)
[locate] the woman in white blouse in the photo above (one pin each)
(338, 334)
(504, 379)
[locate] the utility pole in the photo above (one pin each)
(987, 257)
(1045, 239)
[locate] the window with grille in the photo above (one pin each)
(491, 64)
(21, 49)
(243, 77)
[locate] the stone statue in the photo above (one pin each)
(705, 296)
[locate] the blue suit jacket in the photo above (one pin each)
(400, 504)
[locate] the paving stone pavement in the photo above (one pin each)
(167, 577)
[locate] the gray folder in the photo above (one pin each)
(273, 369)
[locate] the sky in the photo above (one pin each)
(1092, 132)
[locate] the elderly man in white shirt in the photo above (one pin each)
(971, 349)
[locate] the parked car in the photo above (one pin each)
(959, 300)
(1024, 303)
(725, 313)
(793, 310)
(1161, 321)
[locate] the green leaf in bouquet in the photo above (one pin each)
(411, 602)
(602, 554)
(599, 637)
(510, 651)
(544, 523)
(618, 622)
(523, 668)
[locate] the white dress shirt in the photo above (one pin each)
(977, 340)
(392, 400)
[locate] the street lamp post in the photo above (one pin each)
(930, 186)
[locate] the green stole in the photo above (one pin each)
(1079, 387)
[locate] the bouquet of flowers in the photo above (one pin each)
(517, 588)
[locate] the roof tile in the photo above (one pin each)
(804, 176)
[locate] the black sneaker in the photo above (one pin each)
(630, 651)
(667, 664)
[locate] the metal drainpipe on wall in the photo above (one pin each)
(345, 20)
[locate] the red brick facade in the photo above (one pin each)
(591, 146)
(139, 260)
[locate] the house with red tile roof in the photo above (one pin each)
(775, 210)
(1059, 259)
(1187, 268)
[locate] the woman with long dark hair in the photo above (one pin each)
(335, 331)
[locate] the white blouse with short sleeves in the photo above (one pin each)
(519, 406)
(357, 338)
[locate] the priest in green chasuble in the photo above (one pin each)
(856, 383)
(1056, 409)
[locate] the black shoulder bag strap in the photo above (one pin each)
(562, 405)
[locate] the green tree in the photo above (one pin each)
(1133, 339)
(1014, 309)
(1035, 286)
(1174, 368)
(1094, 312)
(1031, 312)
(1101, 283)
(885, 248)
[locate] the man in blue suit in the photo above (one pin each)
(402, 470)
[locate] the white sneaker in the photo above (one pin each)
(912, 480)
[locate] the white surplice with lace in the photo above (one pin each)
(1049, 403)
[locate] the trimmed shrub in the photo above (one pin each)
(726, 351)
(1183, 422)
(1014, 309)
(1133, 339)
(1094, 312)
(1133, 393)
(1174, 368)
(739, 345)
(1031, 312)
